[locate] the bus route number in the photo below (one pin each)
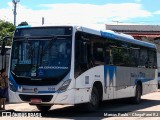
(51, 88)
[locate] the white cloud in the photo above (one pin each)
(6, 13)
(157, 12)
(75, 13)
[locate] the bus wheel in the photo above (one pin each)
(43, 108)
(94, 100)
(137, 98)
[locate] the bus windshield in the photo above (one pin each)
(44, 58)
(41, 58)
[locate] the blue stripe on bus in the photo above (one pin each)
(13, 81)
(25, 26)
(111, 71)
(126, 39)
(46, 91)
(143, 80)
(105, 76)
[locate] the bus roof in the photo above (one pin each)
(104, 33)
(125, 38)
(118, 36)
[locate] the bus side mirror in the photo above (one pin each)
(3, 50)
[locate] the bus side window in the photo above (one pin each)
(82, 54)
(85, 55)
(143, 58)
(108, 56)
(152, 60)
(98, 53)
(134, 53)
(155, 60)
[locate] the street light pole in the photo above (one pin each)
(15, 10)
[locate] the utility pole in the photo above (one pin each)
(15, 10)
(42, 20)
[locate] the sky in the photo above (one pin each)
(83, 12)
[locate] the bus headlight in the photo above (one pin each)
(64, 86)
(11, 86)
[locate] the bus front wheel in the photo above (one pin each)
(94, 100)
(43, 108)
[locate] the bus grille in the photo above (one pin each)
(44, 98)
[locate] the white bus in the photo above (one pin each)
(71, 65)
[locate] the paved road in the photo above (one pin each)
(149, 106)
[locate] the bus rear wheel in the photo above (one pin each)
(43, 108)
(138, 93)
(94, 100)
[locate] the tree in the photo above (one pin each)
(6, 29)
(23, 23)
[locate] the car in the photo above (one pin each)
(158, 80)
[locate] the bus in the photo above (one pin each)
(76, 65)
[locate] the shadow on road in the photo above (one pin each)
(111, 107)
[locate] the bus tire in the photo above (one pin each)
(138, 93)
(43, 108)
(94, 100)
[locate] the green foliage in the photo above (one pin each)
(6, 29)
(23, 23)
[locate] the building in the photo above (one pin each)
(137, 31)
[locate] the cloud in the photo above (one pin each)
(75, 13)
(6, 13)
(157, 12)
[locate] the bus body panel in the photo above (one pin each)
(85, 81)
(122, 87)
(64, 97)
(82, 95)
(13, 97)
(118, 83)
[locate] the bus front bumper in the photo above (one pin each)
(66, 97)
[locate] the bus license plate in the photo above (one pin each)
(34, 100)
